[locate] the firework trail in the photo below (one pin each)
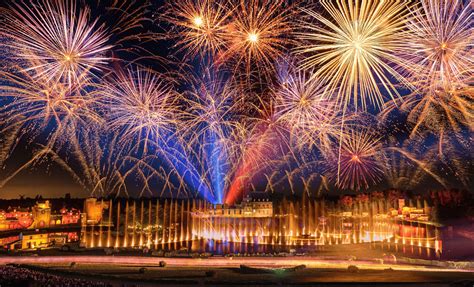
(211, 130)
(406, 172)
(300, 121)
(261, 152)
(102, 166)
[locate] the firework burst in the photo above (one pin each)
(357, 166)
(240, 112)
(351, 49)
(58, 41)
(34, 103)
(302, 105)
(258, 34)
(438, 51)
(438, 62)
(143, 106)
(212, 108)
(199, 25)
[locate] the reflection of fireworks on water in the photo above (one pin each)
(352, 50)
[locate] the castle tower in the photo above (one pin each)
(41, 215)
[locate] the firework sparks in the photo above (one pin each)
(211, 130)
(262, 151)
(57, 40)
(438, 63)
(438, 51)
(37, 102)
(302, 104)
(358, 167)
(406, 172)
(437, 112)
(352, 49)
(240, 110)
(213, 108)
(258, 33)
(199, 25)
(143, 106)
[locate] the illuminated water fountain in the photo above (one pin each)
(286, 224)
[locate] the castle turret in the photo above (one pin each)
(41, 215)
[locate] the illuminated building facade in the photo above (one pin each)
(41, 218)
(15, 218)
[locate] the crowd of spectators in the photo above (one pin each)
(20, 276)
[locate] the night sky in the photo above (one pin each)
(49, 180)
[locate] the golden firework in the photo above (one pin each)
(352, 49)
(437, 54)
(301, 104)
(437, 60)
(199, 26)
(34, 102)
(57, 40)
(258, 33)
